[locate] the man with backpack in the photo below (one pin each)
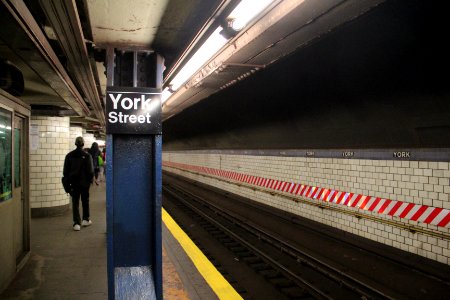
(78, 174)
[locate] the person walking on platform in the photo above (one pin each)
(95, 153)
(101, 165)
(79, 170)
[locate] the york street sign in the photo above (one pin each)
(131, 110)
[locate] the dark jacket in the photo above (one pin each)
(78, 168)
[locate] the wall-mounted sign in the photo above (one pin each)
(348, 154)
(402, 154)
(132, 110)
(34, 137)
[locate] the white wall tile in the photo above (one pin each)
(414, 182)
(46, 162)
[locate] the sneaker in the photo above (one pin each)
(86, 223)
(76, 227)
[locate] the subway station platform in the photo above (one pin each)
(65, 264)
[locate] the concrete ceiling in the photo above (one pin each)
(125, 23)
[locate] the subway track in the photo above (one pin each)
(269, 256)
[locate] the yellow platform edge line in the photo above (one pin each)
(216, 281)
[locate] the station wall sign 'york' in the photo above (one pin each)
(131, 110)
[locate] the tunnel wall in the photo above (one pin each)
(404, 204)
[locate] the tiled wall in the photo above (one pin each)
(56, 138)
(421, 185)
(46, 162)
(88, 139)
(75, 131)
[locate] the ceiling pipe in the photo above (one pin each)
(64, 19)
(70, 95)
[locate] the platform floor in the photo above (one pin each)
(65, 264)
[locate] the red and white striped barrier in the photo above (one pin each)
(416, 212)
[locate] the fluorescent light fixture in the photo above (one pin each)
(246, 11)
(166, 93)
(206, 51)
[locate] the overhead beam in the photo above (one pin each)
(55, 75)
(64, 19)
(53, 112)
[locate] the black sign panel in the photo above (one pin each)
(132, 110)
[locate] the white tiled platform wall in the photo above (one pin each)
(88, 139)
(75, 131)
(46, 162)
(416, 182)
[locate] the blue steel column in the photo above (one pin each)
(133, 176)
(157, 150)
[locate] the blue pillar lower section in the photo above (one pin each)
(134, 215)
(157, 237)
(133, 204)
